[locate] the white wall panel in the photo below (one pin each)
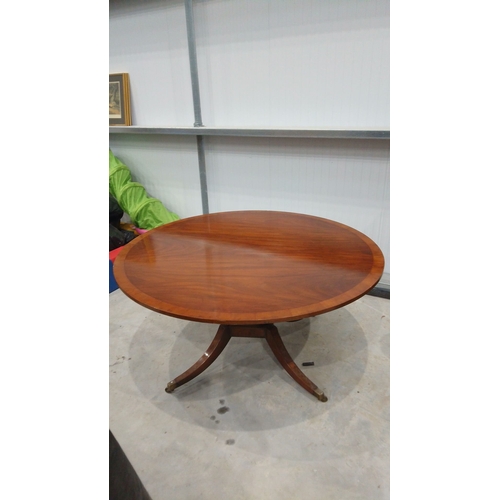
(167, 167)
(262, 63)
(342, 180)
(148, 40)
(294, 63)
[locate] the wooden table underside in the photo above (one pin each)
(247, 271)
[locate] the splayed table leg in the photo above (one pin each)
(218, 344)
(282, 355)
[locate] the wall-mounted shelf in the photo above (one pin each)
(256, 132)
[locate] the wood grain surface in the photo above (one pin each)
(248, 267)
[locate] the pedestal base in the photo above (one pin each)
(273, 338)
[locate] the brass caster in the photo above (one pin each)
(321, 396)
(170, 387)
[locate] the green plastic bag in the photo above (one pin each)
(144, 211)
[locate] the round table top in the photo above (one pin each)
(248, 267)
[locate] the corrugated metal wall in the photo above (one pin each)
(294, 63)
(262, 63)
(148, 40)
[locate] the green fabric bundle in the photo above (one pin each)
(144, 211)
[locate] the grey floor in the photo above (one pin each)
(244, 429)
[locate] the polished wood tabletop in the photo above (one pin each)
(248, 267)
(246, 271)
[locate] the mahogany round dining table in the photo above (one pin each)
(246, 270)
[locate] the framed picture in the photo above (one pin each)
(119, 99)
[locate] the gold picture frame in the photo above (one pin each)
(119, 100)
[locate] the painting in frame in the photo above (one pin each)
(119, 100)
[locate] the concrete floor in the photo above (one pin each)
(244, 429)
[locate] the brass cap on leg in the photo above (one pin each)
(170, 387)
(320, 395)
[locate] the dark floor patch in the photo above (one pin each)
(212, 417)
(217, 421)
(230, 441)
(222, 401)
(222, 410)
(384, 293)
